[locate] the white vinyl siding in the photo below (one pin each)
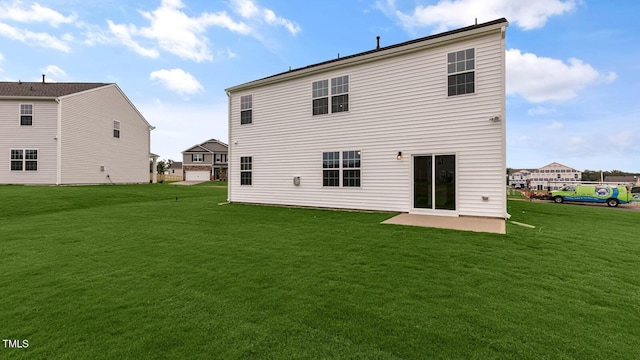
(41, 136)
(396, 104)
(88, 141)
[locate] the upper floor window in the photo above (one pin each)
(320, 96)
(26, 114)
(246, 109)
(218, 158)
(24, 160)
(339, 95)
(116, 129)
(461, 74)
(197, 157)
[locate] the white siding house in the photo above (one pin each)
(554, 176)
(414, 127)
(71, 133)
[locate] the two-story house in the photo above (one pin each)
(553, 177)
(71, 133)
(413, 127)
(206, 161)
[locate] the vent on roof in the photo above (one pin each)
(378, 42)
(43, 78)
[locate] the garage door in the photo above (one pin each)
(197, 175)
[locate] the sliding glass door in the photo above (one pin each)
(434, 182)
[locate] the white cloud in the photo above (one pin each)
(38, 39)
(123, 34)
(52, 71)
(175, 31)
(541, 79)
(554, 125)
(249, 10)
(447, 14)
(17, 11)
(177, 80)
(540, 110)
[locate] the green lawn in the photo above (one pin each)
(162, 271)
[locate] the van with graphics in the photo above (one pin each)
(612, 195)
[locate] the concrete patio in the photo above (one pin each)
(467, 223)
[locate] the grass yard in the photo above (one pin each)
(162, 271)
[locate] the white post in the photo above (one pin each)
(154, 169)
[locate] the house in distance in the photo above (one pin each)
(205, 161)
(71, 133)
(414, 127)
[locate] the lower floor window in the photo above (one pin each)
(24, 160)
(246, 167)
(346, 162)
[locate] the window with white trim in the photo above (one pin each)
(197, 158)
(351, 168)
(461, 74)
(24, 160)
(116, 129)
(246, 168)
(347, 163)
(331, 168)
(246, 109)
(339, 95)
(320, 96)
(26, 114)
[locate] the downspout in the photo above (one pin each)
(229, 150)
(58, 140)
(154, 167)
(503, 34)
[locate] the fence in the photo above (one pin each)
(164, 177)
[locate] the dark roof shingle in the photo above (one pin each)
(40, 89)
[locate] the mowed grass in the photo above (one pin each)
(163, 271)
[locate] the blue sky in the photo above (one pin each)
(573, 67)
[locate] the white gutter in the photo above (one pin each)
(229, 148)
(58, 140)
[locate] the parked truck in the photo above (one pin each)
(612, 195)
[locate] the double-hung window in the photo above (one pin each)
(197, 158)
(332, 167)
(246, 167)
(339, 95)
(116, 129)
(320, 95)
(26, 114)
(461, 74)
(24, 160)
(351, 168)
(246, 109)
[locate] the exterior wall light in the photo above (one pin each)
(399, 157)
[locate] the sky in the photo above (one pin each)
(573, 66)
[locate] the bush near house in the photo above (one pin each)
(162, 271)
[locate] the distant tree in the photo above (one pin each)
(163, 165)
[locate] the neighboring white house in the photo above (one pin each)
(549, 177)
(206, 161)
(520, 179)
(413, 127)
(71, 133)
